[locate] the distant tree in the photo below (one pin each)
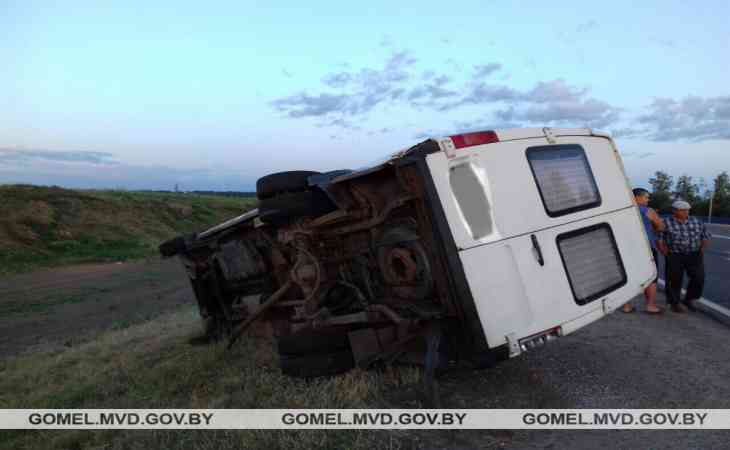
(661, 195)
(686, 189)
(701, 205)
(722, 185)
(662, 182)
(721, 195)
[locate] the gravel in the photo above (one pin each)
(623, 361)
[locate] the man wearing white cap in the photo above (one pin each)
(683, 243)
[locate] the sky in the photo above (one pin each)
(212, 95)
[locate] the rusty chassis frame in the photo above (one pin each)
(383, 267)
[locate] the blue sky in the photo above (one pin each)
(212, 95)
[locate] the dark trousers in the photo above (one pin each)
(679, 263)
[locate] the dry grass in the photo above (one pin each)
(151, 365)
(46, 226)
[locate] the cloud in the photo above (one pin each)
(337, 80)
(589, 112)
(12, 155)
(304, 105)
(441, 80)
(483, 93)
(482, 71)
(586, 26)
(547, 103)
(430, 92)
(691, 118)
(358, 92)
(627, 132)
(554, 91)
(637, 155)
(354, 93)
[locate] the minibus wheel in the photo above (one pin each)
(283, 182)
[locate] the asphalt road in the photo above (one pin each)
(717, 266)
(633, 360)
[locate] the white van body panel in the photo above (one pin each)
(516, 294)
(511, 134)
(515, 201)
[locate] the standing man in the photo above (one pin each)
(683, 242)
(653, 224)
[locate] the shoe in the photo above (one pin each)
(690, 305)
(628, 308)
(676, 307)
(653, 309)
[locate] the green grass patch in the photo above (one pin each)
(25, 306)
(152, 366)
(84, 250)
(51, 226)
(120, 324)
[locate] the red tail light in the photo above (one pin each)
(471, 139)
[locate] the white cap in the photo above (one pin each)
(681, 204)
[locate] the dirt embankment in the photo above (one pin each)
(50, 226)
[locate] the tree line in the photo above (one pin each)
(698, 193)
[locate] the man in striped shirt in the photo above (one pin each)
(683, 243)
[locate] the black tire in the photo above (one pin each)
(407, 239)
(283, 182)
(281, 208)
(317, 365)
(310, 343)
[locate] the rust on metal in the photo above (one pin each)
(275, 297)
(371, 267)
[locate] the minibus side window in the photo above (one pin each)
(564, 178)
(472, 200)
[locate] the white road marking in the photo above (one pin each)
(721, 237)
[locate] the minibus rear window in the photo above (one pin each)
(592, 262)
(564, 178)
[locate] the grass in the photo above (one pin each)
(25, 306)
(50, 226)
(151, 365)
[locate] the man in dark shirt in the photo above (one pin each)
(683, 243)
